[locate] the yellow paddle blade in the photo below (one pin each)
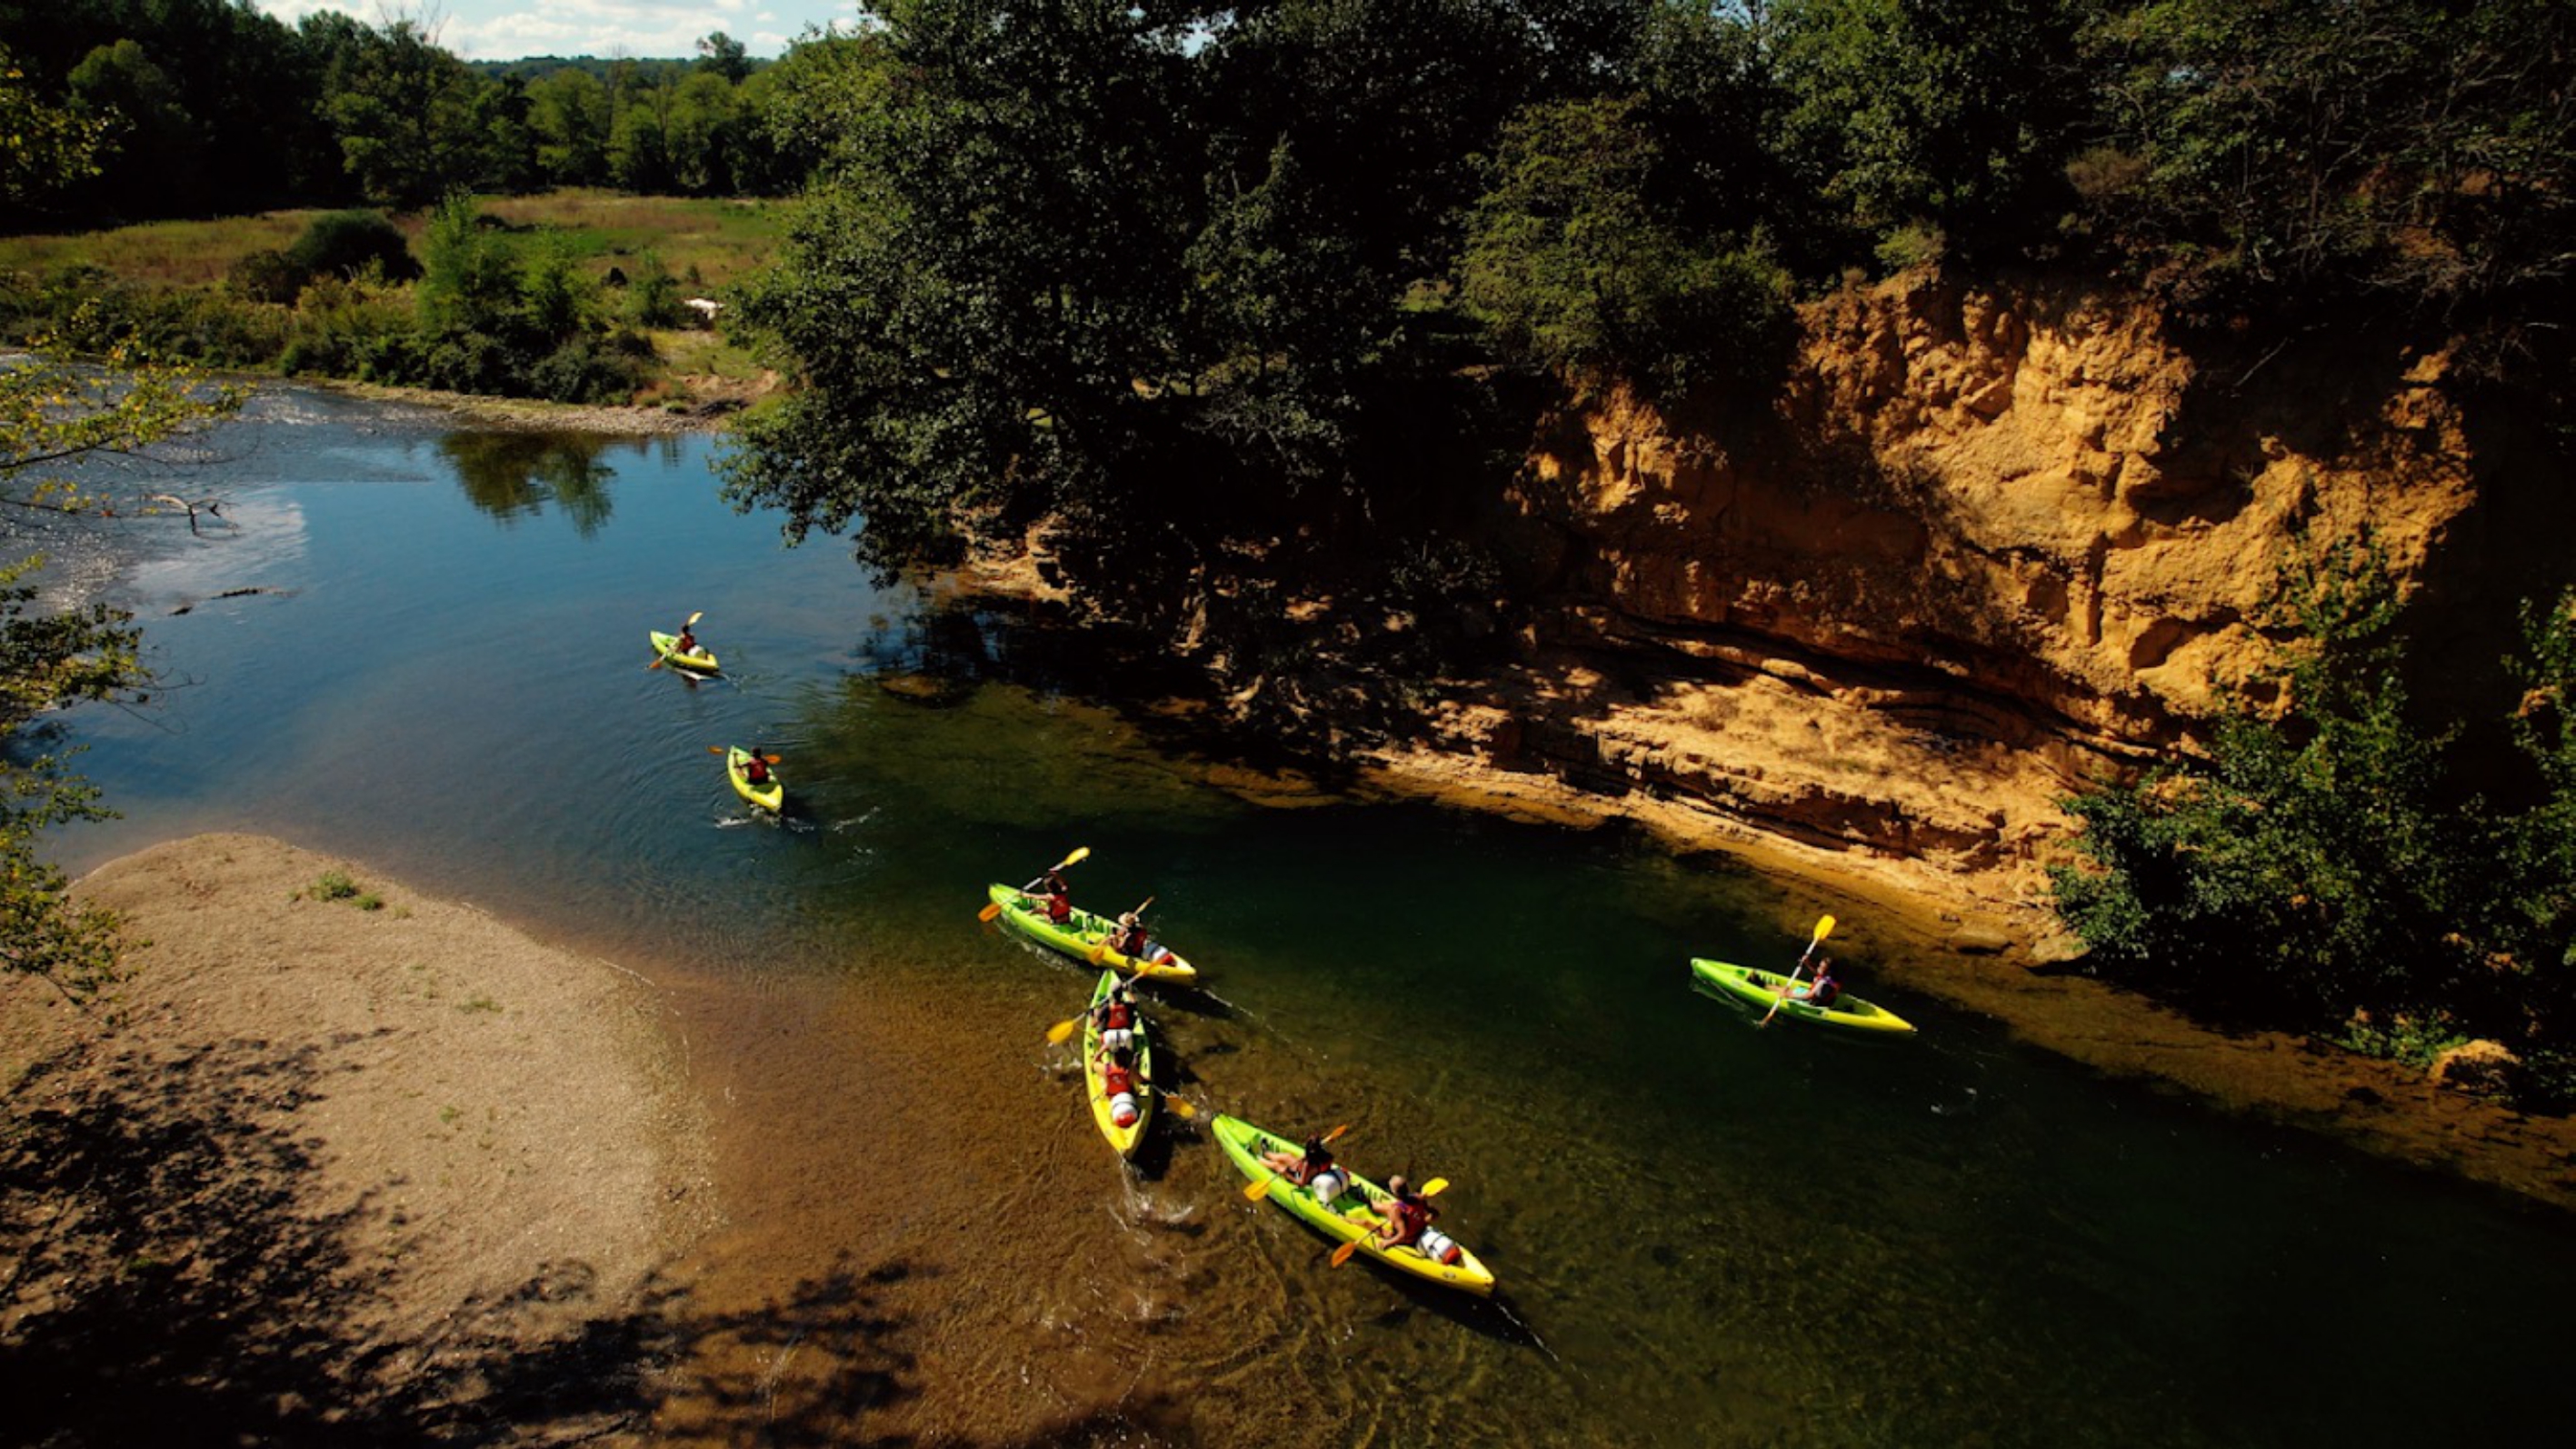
(1080, 854)
(1434, 1187)
(715, 749)
(989, 912)
(1335, 1135)
(1824, 927)
(1099, 950)
(1062, 1029)
(1343, 1253)
(693, 620)
(1182, 1106)
(1256, 1191)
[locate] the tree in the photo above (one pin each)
(154, 159)
(721, 55)
(1573, 267)
(568, 111)
(53, 412)
(1953, 113)
(2314, 865)
(50, 147)
(405, 112)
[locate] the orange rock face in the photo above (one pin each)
(1986, 546)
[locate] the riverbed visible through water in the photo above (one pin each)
(1706, 1234)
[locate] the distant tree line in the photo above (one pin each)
(211, 107)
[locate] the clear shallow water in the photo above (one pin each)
(1706, 1234)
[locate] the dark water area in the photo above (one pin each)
(1705, 1233)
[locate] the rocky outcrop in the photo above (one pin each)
(1988, 544)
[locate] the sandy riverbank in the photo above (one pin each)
(335, 1172)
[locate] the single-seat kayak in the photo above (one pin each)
(1350, 1217)
(1762, 988)
(1082, 931)
(1123, 1138)
(668, 646)
(767, 797)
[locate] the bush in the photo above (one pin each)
(346, 244)
(267, 276)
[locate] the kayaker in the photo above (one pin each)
(1059, 896)
(1311, 1169)
(1822, 989)
(1117, 1015)
(687, 643)
(1406, 1222)
(1118, 1084)
(1130, 940)
(755, 770)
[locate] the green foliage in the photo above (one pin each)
(2313, 866)
(2324, 863)
(403, 109)
(50, 413)
(2262, 149)
(1572, 266)
(49, 148)
(348, 244)
(1949, 112)
(653, 295)
(332, 885)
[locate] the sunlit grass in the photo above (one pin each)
(724, 240)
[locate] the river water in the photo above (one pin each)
(1706, 1234)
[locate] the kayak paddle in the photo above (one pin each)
(1080, 854)
(1256, 1191)
(1824, 928)
(1343, 1253)
(765, 759)
(1100, 948)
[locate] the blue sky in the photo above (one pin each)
(510, 29)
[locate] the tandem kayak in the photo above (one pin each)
(768, 797)
(1078, 935)
(1353, 1216)
(1122, 1138)
(1762, 988)
(667, 645)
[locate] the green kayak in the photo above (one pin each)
(1350, 1216)
(1762, 988)
(1082, 931)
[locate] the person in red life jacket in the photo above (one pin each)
(755, 770)
(1406, 1223)
(1118, 1084)
(1821, 990)
(1059, 896)
(1311, 1169)
(687, 643)
(1130, 940)
(1116, 1014)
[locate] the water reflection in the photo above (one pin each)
(513, 475)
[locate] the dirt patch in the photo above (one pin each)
(714, 400)
(338, 1163)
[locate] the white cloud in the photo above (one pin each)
(513, 29)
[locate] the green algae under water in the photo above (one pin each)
(1705, 1234)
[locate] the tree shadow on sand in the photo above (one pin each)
(159, 1284)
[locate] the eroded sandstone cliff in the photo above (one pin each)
(1986, 545)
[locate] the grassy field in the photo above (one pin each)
(724, 240)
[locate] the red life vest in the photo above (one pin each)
(1410, 1218)
(1059, 908)
(1118, 1017)
(1115, 1079)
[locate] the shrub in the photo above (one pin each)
(266, 276)
(346, 244)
